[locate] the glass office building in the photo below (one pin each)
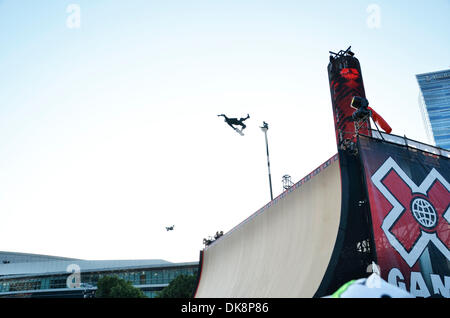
(42, 276)
(434, 101)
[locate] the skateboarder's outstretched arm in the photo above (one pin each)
(223, 115)
(227, 120)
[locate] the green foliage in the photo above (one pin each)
(115, 287)
(183, 286)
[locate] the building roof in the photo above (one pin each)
(37, 265)
(15, 257)
(446, 71)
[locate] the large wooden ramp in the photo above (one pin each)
(284, 249)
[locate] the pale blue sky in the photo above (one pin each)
(108, 132)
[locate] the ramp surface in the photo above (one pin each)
(284, 249)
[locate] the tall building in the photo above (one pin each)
(434, 103)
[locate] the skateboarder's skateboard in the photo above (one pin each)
(239, 131)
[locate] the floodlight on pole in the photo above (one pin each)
(265, 128)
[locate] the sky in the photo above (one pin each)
(108, 111)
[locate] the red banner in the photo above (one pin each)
(409, 196)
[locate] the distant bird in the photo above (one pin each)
(170, 228)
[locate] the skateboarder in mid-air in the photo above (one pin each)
(235, 121)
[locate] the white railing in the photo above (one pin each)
(411, 143)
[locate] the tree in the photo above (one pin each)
(182, 286)
(115, 287)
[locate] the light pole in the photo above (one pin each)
(264, 128)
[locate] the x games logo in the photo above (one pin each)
(419, 214)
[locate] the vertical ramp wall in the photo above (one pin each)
(284, 249)
(345, 78)
(353, 252)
